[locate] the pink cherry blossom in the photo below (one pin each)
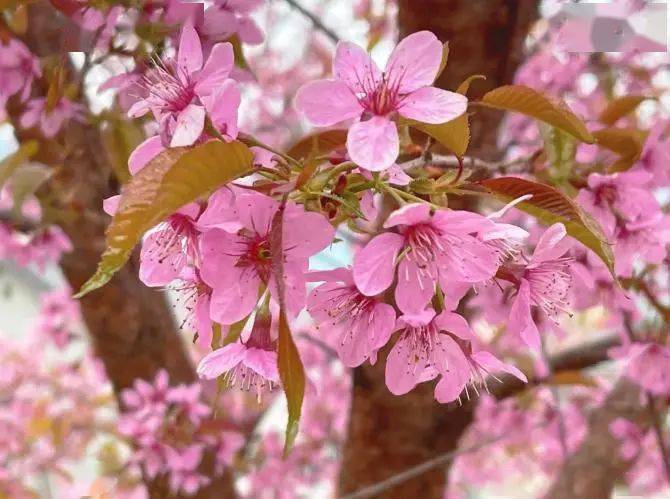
(248, 364)
(225, 18)
(50, 121)
(361, 90)
(19, 68)
(181, 92)
(236, 266)
(170, 247)
(543, 282)
(641, 240)
(647, 366)
(438, 247)
(363, 324)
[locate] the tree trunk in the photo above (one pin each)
(131, 326)
(388, 434)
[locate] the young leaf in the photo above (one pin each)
(551, 206)
(560, 149)
(443, 62)
(326, 142)
(119, 138)
(291, 371)
(9, 165)
(527, 101)
(627, 143)
(174, 178)
(618, 108)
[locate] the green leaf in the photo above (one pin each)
(26, 180)
(174, 178)
(291, 370)
(551, 206)
(9, 165)
(618, 108)
(560, 149)
(626, 142)
(326, 142)
(525, 100)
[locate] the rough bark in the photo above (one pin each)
(131, 326)
(592, 471)
(388, 434)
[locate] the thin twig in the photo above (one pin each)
(315, 21)
(441, 460)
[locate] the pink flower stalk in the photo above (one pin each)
(543, 282)
(50, 121)
(248, 364)
(237, 265)
(181, 92)
(363, 324)
(19, 67)
(361, 90)
(439, 247)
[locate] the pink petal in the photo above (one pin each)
(222, 106)
(549, 247)
(233, 300)
(493, 364)
(455, 324)
(327, 102)
(140, 108)
(521, 320)
(220, 361)
(375, 263)
(373, 144)
(354, 67)
(189, 127)
(111, 204)
(306, 233)
(403, 368)
(144, 153)
(414, 288)
(256, 211)
(433, 105)
(264, 362)
(203, 322)
(415, 61)
(160, 265)
(410, 214)
(189, 56)
(217, 69)
(221, 212)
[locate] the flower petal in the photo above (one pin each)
(410, 214)
(326, 102)
(263, 362)
(375, 263)
(144, 153)
(492, 364)
(189, 56)
(433, 105)
(520, 318)
(189, 126)
(373, 144)
(216, 70)
(414, 288)
(306, 233)
(220, 361)
(355, 67)
(403, 367)
(415, 62)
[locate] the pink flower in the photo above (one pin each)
(237, 265)
(361, 90)
(630, 435)
(246, 364)
(543, 282)
(170, 247)
(648, 366)
(363, 324)
(642, 239)
(431, 346)
(19, 67)
(226, 18)
(439, 247)
(180, 93)
(51, 120)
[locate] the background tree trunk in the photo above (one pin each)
(388, 434)
(132, 327)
